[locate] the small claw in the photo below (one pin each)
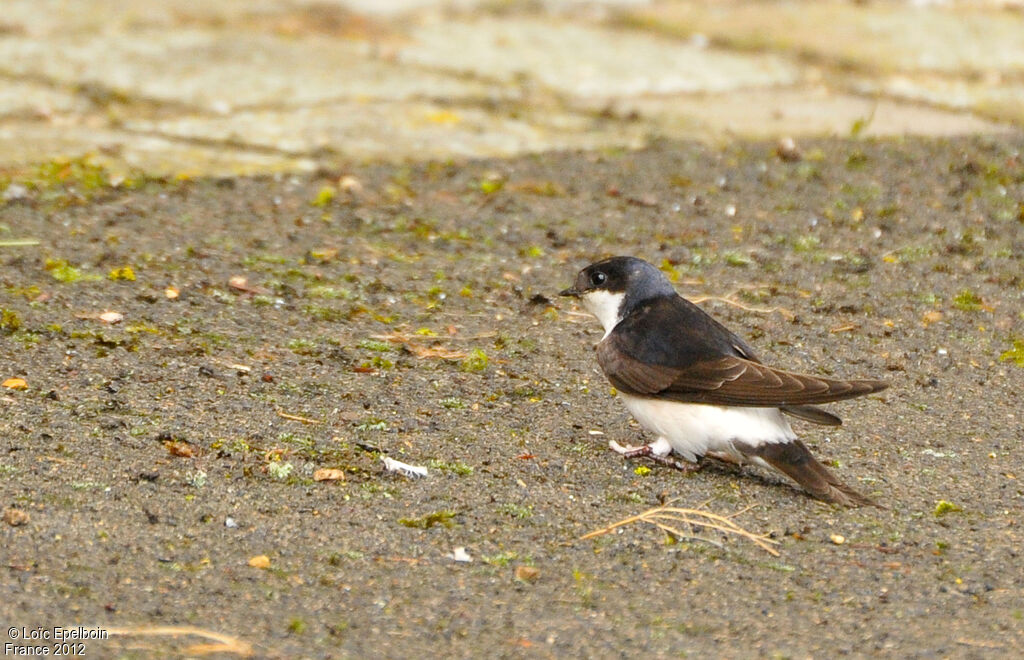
(630, 452)
(654, 452)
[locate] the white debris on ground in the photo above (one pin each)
(460, 555)
(412, 471)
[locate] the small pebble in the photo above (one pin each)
(787, 150)
(15, 191)
(459, 554)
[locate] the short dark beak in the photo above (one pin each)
(571, 291)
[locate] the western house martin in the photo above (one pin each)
(701, 389)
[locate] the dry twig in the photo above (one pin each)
(297, 418)
(747, 308)
(222, 643)
(413, 345)
(668, 518)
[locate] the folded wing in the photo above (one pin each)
(727, 380)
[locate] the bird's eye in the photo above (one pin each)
(598, 278)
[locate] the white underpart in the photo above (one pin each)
(605, 306)
(694, 429)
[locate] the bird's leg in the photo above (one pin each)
(659, 451)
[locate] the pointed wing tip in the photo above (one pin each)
(813, 414)
(876, 385)
(795, 460)
(839, 493)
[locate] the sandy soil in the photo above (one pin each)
(413, 313)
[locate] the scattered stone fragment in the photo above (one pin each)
(350, 185)
(14, 192)
(787, 150)
(460, 555)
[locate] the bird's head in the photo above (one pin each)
(611, 287)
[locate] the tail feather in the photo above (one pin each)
(813, 414)
(795, 460)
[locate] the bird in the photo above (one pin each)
(699, 388)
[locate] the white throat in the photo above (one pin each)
(605, 306)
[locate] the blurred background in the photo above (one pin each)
(225, 87)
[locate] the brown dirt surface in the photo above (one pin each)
(167, 462)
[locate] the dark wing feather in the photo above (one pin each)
(729, 381)
(813, 414)
(694, 359)
(795, 460)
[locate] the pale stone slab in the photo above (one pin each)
(586, 61)
(27, 99)
(885, 36)
(229, 87)
(212, 70)
(393, 8)
(995, 98)
(397, 131)
(64, 18)
(797, 112)
(28, 143)
(404, 7)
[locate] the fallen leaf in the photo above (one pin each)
(527, 573)
(438, 352)
(241, 283)
(15, 384)
(329, 474)
(180, 448)
(324, 254)
(171, 293)
(15, 517)
(259, 561)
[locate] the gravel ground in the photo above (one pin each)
(168, 469)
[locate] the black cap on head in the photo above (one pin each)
(636, 278)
